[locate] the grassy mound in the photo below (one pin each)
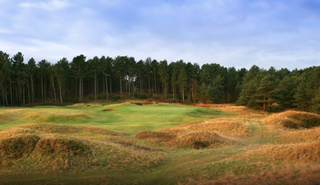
(17, 146)
(288, 136)
(303, 174)
(182, 139)
(304, 152)
(60, 117)
(197, 140)
(226, 126)
(294, 119)
(61, 147)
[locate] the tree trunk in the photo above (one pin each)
(6, 93)
(129, 86)
(45, 88)
(140, 81)
(149, 84)
(121, 86)
(132, 86)
(183, 95)
(80, 90)
(42, 95)
(54, 89)
(29, 96)
(95, 86)
(192, 94)
(107, 87)
(32, 91)
(110, 86)
(23, 96)
(269, 102)
(173, 94)
(60, 90)
(155, 82)
(264, 103)
(10, 86)
(165, 91)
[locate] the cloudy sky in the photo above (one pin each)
(239, 33)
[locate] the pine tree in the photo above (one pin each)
(265, 91)
(182, 81)
(164, 76)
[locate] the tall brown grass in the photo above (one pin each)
(60, 147)
(226, 126)
(288, 175)
(293, 119)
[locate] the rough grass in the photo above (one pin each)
(182, 139)
(226, 126)
(303, 152)
(158, 144)
(52, 147)
(296, 175)
(294, 119)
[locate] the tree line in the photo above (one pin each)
(25, 82)
(274, 90)
(102, 78)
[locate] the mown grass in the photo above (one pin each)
(156, 144)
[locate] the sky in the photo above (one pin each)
(232, 33)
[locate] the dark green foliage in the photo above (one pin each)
(315, 102)
(306, 120)
(116, 97)
(97, 78)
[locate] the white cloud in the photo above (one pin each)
(50, 5)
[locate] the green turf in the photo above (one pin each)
(179, 164)
(128, 118)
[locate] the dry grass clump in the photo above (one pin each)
(156, 135)
(197, 140)
(294, 119)
(182, 139)
(304, 152)
(64, 129)
(282, 135)
(226, 126)
(16, 146)
(52, 128)
(61, 147)
(199, 135)
(291, 175)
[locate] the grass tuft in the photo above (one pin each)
(294, 119)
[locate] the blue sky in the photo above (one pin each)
(239, 33)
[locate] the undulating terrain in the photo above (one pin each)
(150, 143)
